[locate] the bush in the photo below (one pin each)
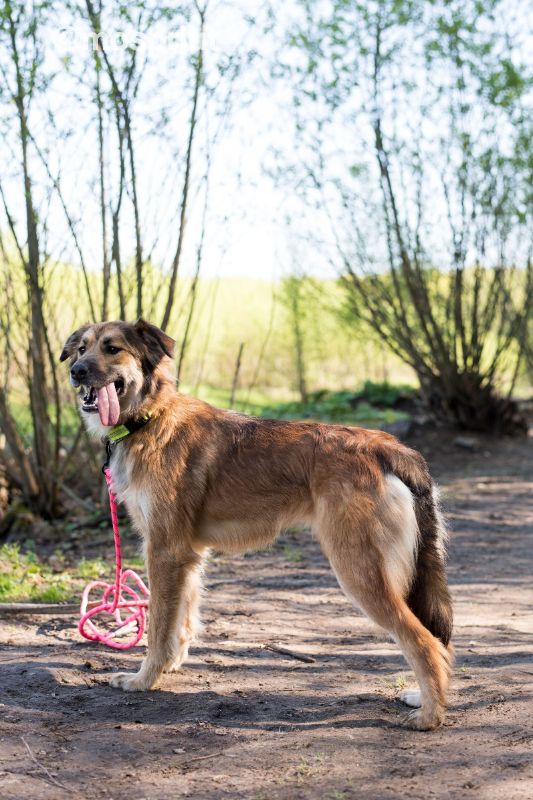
(370, 407)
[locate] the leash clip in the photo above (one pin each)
(120, 432)
(108, 454)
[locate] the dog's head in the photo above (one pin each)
(116, 366)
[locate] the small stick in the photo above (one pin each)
(201, 758)
(42, 608)
(89, 522)
(41, 766)
(284, 652)
(80, 500)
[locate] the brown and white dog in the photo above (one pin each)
(197, 477)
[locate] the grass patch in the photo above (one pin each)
(91, 569)
(341, 407)
(292, 553)
(372, 406)
(400, 682)
(309, 768)
(24, 578)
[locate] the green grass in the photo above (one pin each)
(292, 553)
(24, 578)
(250, 402)
(400, 682)
(336, 407)
(91, 569)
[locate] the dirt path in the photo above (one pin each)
(242, 721)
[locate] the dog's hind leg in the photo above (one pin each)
(372, 577)
(170, 582)
(427, 656)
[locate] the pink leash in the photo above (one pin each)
(118, 598)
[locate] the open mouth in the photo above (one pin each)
(103, 400)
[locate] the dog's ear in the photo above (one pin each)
(72, 343)
(155, 340)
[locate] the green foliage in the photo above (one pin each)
(91, 569)
(342, 407)
(25, 578)
(385, 393)
(56, 592)
(506, 84)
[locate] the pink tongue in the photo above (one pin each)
(108, 405)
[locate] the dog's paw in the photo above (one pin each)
(420, 720)
(128, 682)
(411, 697)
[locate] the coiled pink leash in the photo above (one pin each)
(118, 598)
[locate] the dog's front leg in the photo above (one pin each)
(169, 577)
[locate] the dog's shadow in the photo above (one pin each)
(55, 688)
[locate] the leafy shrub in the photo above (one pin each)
(384, 394)
(370, 407)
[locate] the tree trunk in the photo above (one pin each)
(467, 401)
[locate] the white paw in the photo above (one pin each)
(128, 682)
(420, 720)
(411, 697)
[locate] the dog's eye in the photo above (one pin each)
(113, 350)
(82, 349)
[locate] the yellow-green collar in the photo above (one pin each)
(120, 432)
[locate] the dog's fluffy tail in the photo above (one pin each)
(429, 597)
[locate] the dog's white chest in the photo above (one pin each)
(136, 498)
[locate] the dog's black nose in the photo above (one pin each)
(79, 372)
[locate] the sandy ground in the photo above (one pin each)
(243, 721)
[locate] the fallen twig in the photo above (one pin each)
(42, 608)
(41, 766)
(90, 522)
(209, 755)
(284, 652)
(201, 758)
(76, 497)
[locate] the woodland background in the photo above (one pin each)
(327, 205)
